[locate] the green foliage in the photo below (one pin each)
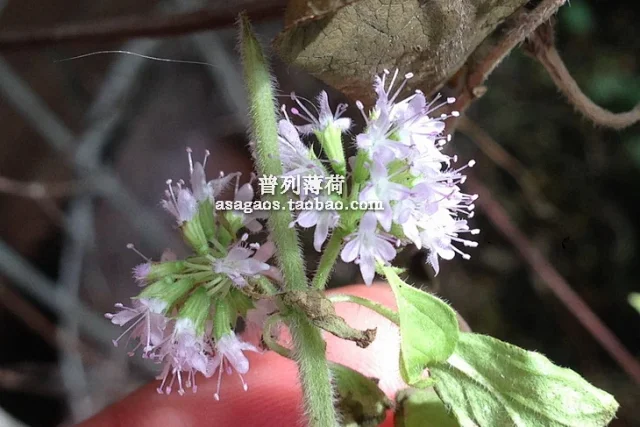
(487, 383)
(428, 328)
(422, 408)
(359, 399)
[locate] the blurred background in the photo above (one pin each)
(86, 146)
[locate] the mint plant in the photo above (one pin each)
(399, 189)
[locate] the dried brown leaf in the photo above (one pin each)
(351, 41)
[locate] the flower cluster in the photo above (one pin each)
(399, 161)
(184, 317)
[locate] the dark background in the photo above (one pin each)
(580, 208)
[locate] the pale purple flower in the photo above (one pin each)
(264, 253)
(366, 246)
(325, 117)
(148, 323)
(203, 189)
(184, 353)
(429, 203)
(245, 193)
(230, 354)
(380, 188)
(439, 235)
(376, 140)
(239, 263)
(412, 119)
(180, 202)
(323, 220)
(297, 158)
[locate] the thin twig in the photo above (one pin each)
(510, 164)
(541, 46)
(517, 27)
(554, 281)
(128, 27)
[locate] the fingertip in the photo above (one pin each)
(381, 358)
(273, 398)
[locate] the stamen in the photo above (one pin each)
(173, 196)
(284, 111)
(189, 151)
(310, 118)
(173, 378)
(207, 153)
(402, 85)
(180, 388)
(134, 249)
(395, 74)
(245, 387)
(216, 395)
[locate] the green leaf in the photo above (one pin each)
(428, 329)
(422, 408)
(487, 382)
(358, 398)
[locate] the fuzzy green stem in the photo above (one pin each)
(267, 154)
(308, 343)
(371, 305)
(328, 260)
(309, 350)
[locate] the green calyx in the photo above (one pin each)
(207, 219)
(168, 290)
(360, 170)
(224, 318)
(194, 235)
(331, 140)
(197, 309)
(160, 270)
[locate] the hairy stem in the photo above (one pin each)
(309, 347)
(328, 260)
(542, 46)
(265, 134)
(313, 371)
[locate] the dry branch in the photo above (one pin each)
(128, 27)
